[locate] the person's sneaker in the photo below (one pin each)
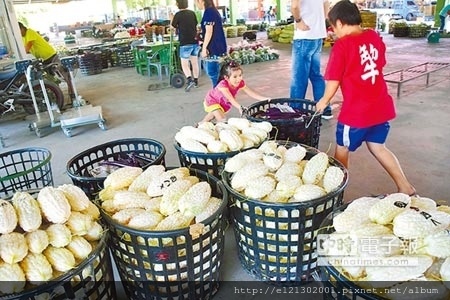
(327, 115)
(196, 83)
(189, 85)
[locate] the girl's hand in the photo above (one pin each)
(242, 110)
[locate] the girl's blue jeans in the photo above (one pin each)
(306, 67)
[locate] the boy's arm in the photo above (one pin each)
(330, 90)
(254, 94)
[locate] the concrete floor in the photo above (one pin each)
(419, 135)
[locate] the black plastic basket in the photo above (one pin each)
(276, 241)
(24, 169)
(150, 151)
(171, 264)
(336, 286)
(92, 279)
(212, 163)
(297, 129)
(90, 63)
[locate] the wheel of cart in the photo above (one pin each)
(24, 169)
(177, 78)
(88, 169)
(171, 264)
(276, 241)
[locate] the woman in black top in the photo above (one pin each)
(185, 22)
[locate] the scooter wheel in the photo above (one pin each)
(177, 80)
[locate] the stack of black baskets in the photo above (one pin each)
(90, 63)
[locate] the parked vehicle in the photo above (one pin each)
(405, 9)
(14, 91)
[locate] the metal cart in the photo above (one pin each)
(77, 116)
(176, 76)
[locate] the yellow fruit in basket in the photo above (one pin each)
(77, 198)
(159, 184)
(95, 233)
(307, 192)
(122, 177)
(295, 154)
(333, 178)
(239, 123)
(28, 211)
(108, 206)
(146, 220)
(171, 195)
(287, 185)
(232, 139)
(315, 168)
(37, 240)
(79, 247)
(130, 199)
(260, 187)
(124, 216)
(248, 173)
(13, 247)
(385, 210)
(12, 278)
(8, 217)
(217, 147)
(54, 205)
(92, 210)
(59, 235)
(193, 145)
(423, 203)
(61, 259)
(174, 221)
(141, 183)
(37, 268)
(194, 200)
(79, 224)
(211, 207)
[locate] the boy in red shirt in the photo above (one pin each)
(356, 66)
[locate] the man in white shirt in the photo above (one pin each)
(310, 30)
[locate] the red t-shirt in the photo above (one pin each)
(357, 62)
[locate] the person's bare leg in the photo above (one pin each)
(194, 64)
(341, 155)
(391, 164)
(219, 115)
(185, 67)
(208, 118)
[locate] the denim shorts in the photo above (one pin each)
(353, 137)
(187, 51)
